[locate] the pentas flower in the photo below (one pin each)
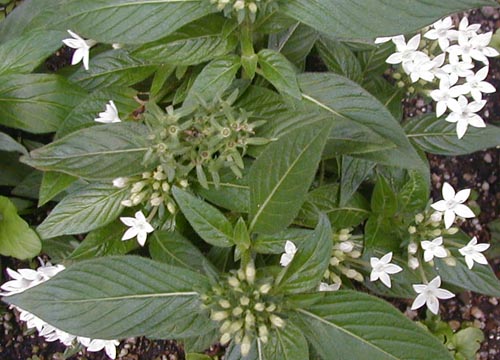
(287, 256)
(476, 86)
(429, 294)
(475, 48)
(420, 67)
(472, 253)
(465, 30)
(94, 345)
(110, 115)
(443, 95)
(433, 249)
(464, 114)
(452, 204)
(139, 227)
(442, 32)
(382, 268)
(457, 69)
(405, 51)
(328, 287)
(82, 48)
(26, 278)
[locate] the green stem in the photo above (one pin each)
(422, 272)
(247, 38)
(152, 214)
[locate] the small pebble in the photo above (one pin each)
(454, 324)
(493, 301)
(476, 312)
(487, 158)
(485, 186)
(467, 177)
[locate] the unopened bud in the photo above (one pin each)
(239, 5)
(184, 183)
(355, 254)
(412, 248)
(237, 311)
(219, 315)
(138, 186)
(334, 261)
(259, 306)
(226, 325)
(224, 303)
(436, 232)
(277, 321)
(264, 289)
(244, 301)
(171, 207)
(245, 345)
(450, 261)
(419, 218)
(263, 330)
(233, 282)
(359, 277)
(252, 7)
(436, 216)
(236, 326)
(452, 230)
(346, 246)
(271, 307)
(249, 319)
(250, 273)
(350, 273)
(120, 182)
(127, 203)
(165, 186)
(225, 338)
(412, 230)
(413, 263)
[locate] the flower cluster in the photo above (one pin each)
(239, 8)
(23, 279)
(449, 58)
(246, 308)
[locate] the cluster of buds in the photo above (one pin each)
(245, 308)
(240, 8)
(204, 140)
(346, 247)
(152, 188)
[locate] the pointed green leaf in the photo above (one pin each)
(296, 43)
(279, 71)
(99, 152)
(280, 178)
(206, 220)
(16, 237)
(286, 344)
(9, 144)
(383, 201)
(354, 172)
(89, 208)
(53, 183)
(339, 59)
(119, 297)
(306, 270)
(354, 325)
(275, 243)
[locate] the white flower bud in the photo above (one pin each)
(244, 301)
(156, 185)
(219, 315)
(250, 272)
(413, 263)
(355, 254)
(344, 237)
(419, 218)
(263, 330)
(239, 5)
(236, 326)
(120, 182)
(165, 186)
(171, 207)
(138, 186)
(225, 338)
(346, 246)
(146, 175)
(127, 203)
(271, 308)
(184, 183)
(450, 261)
(156, 201)
(224, 303)
(359, 277)
(436, 216)
(226, 325)
(412, 230)
(249, 319)
(264, 289)
(277, 321)
(159, 175)
(245, 345)
(436, 232)
(334, 261)
(252, 7)
(452, 230)
(259, 306)
(350, 273)
(412, 248)
(233, 282)
(237, 311)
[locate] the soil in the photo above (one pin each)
(479, 171)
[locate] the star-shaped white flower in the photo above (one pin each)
(472, 252)
(405, 51)
(420, 67)
(382, 268)
(429, 294)
(110, 115)
(476, 86)
(443, 95)
(139, 227)
(464, 114)
(82, 48)
(433, 249)
(94, 345)
(457, 69)
(328, 287)
(441, 32)
(452, 204)
(287, 256)
(23, 279)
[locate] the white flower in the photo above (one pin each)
(476, 86)
(452, 204)
(382, 268)
(383, 39)
(287, 256)
(433, 249)
(405, 51)
(120, 182)
(139, 227)
(82, 48)
(94, 345)
(110, 115)
(420, 67)
(472, 252)
(464, 114)
(475, 48)
(465, 30)
(326, 287)
(456, 69)
(441, 32)
(443, 95)
(429, 294)
(26, 278)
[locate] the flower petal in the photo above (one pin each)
(419, 301)
(463, 211)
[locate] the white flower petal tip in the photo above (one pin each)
(138, 227)
(82, 48)
(452, 204)
(382, 268)
(429, 294)
(329, 287)
(110, 115)
(472, 253)
(287, 256)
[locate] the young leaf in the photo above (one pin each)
(89, 208)
(275, 243)
(119, 297)
(354, 325)
(414, 194)
(280, 177)
(213, 80)
(99, 152)
(437, 136)
(359, 19)
(354, 172)
(206, 220)
(381, 232)
(16, 237)
(278, 71)
(53, 183)
(306, 270)
(383, 201)
(37, 103)
(9, 144)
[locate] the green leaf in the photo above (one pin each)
(16, 237)
(9, 144)
(467, 342)
(296, 43)
(414, 195)
(89, 208)
(345, 101)
(278, 71)
(339, 59)
(354, 172)
(84, 114)
(280, 177)
(59, 248)
(325, 200)
(37, 103)
(383, 201)
(12, 172)
(241, 236)
(354, 325)
(119, 297)
(29, 186)
(438, 136)
(194, 356)
(287, 344)
(53, 183)
(306, 270)
(213, 80)
(275, 243)
(206, 220)
(359, 19)
(99, 152)
(112, 68)
(106, 241)
(172, 248)
(372, 60)
(381, 232)
(388, 94)
(200, 41)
